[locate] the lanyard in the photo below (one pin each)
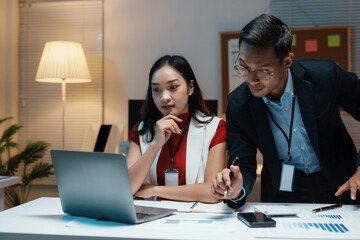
(288, 139)
(172, 154)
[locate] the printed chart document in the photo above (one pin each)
(200, 226)
(335, 224)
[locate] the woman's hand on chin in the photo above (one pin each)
(164, 127)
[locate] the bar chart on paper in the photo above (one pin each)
(196, 226)
(337, 224)
(316, 227)
(195, 220)
(189, 221)
(333, 216)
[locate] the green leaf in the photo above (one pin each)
(3, 170)
(34, 151)
(39, 170)
(13, 164)
(12, 195)
(6, 142)
(9, 132)
(8, 146)
(5, 119)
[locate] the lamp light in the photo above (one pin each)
(63, 62)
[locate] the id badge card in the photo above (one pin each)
(287, 177)
(171, 177)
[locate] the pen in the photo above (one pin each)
(338, 205)
(194, 205)
(231, 174)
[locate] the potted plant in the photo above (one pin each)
(28, 160)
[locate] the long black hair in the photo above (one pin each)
(150, 114)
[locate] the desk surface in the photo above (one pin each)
(43, 218)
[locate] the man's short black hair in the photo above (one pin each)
(267, 30)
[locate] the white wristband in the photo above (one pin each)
(240, 198)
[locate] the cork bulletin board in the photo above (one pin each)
(323, 43)
(311, 42)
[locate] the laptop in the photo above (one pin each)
(97, 185)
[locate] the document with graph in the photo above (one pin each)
(335, 224)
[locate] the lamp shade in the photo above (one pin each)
(63, 61)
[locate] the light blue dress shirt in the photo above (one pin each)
(302, 152)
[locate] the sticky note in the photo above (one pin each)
(311, 46)
(205, 221)
(293, 44)
(172, 221)
(334, 40)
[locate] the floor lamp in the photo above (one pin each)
(63, 62)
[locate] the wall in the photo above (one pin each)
(138, 32)
(9, 72)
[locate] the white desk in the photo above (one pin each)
(44, 219)
(6, 181)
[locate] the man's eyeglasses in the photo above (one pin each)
(262, 75)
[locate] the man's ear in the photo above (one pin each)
(288, 60)
(191, 87)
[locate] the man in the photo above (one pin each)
(289, 110)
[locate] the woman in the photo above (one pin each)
(178, 148)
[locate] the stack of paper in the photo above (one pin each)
(197, 207)
(276, 210)
(211, 208)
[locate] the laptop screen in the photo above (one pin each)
(97, 185)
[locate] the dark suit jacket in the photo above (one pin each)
(321, 88)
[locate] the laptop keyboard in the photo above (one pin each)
(144, 215)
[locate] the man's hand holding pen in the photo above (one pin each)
(230, 177)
